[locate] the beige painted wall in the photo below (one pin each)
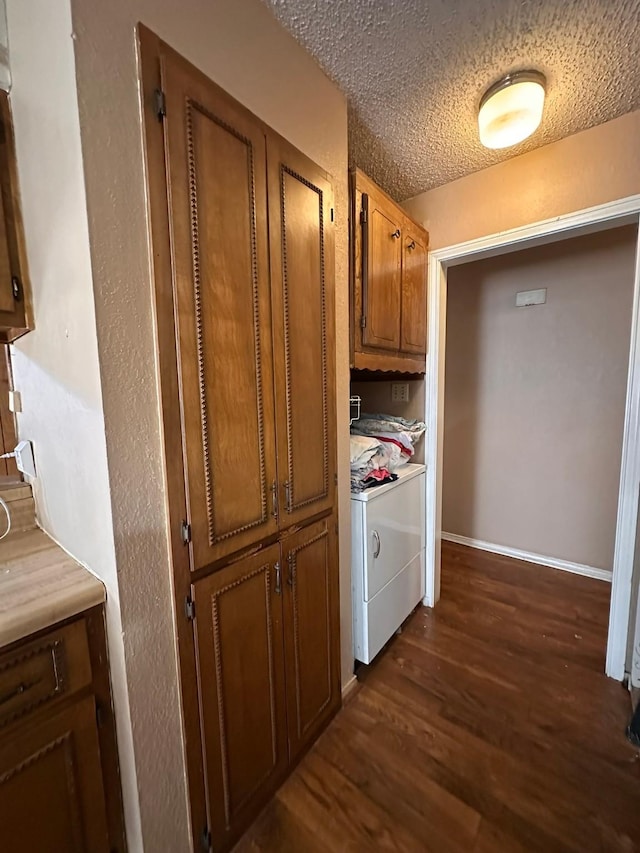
(589, 168)
(535, 397)
(56, 366)
(241, 47)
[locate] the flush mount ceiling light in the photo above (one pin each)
(511, 109)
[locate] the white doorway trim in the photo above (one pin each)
(624, 211)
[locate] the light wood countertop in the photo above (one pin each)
(40, 584)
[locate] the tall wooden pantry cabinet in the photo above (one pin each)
(242, 227)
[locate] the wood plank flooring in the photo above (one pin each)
(486, 726)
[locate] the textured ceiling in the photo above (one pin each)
(414, 71)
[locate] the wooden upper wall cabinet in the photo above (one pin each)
(15, 295)
(389, 283)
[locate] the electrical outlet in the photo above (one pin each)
(15, 401)
(399, 392)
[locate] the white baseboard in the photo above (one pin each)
(527, 556)
(349, 689)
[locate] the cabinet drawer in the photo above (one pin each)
(39, 672)
(394, 527)
(376, 620)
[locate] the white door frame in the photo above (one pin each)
(592, 219)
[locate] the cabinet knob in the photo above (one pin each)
(396, 234)
(412, 245)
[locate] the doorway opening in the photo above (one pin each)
(624, 487)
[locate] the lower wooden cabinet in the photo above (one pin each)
(51, 793)
(240, 654)
(311, 633)
(267, 634)
(59, 785)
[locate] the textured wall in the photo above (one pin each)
(242, 48)
(56, 366)
(535, 397)
(590, 168)
(414, 73)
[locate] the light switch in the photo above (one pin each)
(531, 297)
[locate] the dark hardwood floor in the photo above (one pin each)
(486, 726)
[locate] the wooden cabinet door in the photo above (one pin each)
(302, 282)
(312, 629)
(15, 291)
(51, 792)
(414, 292)
(240, 658)
(381, 274)
(216, 177)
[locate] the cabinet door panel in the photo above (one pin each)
(302, 264)
(218, 206)
(51, 793)
(383, 250)
(414, 292)
(15, 290)
(311, 630)
(241, 685)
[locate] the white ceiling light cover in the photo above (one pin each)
(511, 110)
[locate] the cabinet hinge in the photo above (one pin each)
(332, 214)
(99, 715)
(363, 216)
(16, 288)
(189, 608)
(160, 103)
(206, 838)
(335, 479)
(186, 532)
(363, 322)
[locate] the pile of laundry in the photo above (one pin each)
(380, 444)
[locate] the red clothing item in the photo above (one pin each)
(394, 441)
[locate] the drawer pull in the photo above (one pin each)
(18, 691)
(43, 671)
(376, 544)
